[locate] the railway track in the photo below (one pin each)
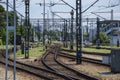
(37, 71)
(91, 53)
(50, 61)
(58, 70)
(95, 61)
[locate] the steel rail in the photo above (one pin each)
(74, 71)
(35, 67)
(86, 76)
(28, 71)
(46, 65)
(95, 61)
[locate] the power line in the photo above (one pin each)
(10, 6)
(98, 15)
(90, 6)
(68, 4)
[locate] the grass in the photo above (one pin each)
(93, 50)
(4, 46)
(33, 52)
(96, 50)
(107, 47)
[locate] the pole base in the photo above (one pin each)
(26, 57)
(79, 61)
(71, 47)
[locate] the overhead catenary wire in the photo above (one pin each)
(10, 6)
(58, 16)
(68, 4)
(111, 3)
(83, 10)
(90, 6)
(98, 15)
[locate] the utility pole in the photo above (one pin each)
(8, 28)
(87, 26)
(32, 33)
(7, 24)
(98, 33)
(53, 20)
(112, 14)
(48, 20)
(78, 32)
(44, 25)
(43, 22)
(38, 27)
(27, 24)
(14, 72)
(22, 42)
(66, 36)
(71, 35)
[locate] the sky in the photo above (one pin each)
(101, 6)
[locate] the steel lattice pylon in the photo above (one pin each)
(65, 34)
(78, 32)
(27, 28)
(71, 29)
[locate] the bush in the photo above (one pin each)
(104, 39)
(1, 42)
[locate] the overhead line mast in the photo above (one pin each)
(27, 24)
(78, 32)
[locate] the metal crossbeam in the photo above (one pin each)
(61, 19)
(62, 12)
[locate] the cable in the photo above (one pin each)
(10, 5)
(111, 4)
(90, 6)
(68, 4)
(19, 4)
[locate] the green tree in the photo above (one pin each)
(104, 39)
(38, 35)
(86, 35)
(2, 23)
(24, 30)
(11, 23)
(55, 34)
